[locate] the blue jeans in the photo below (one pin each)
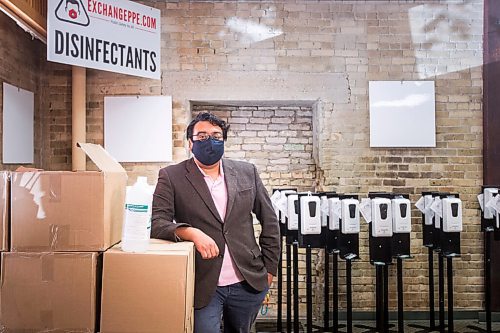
(238, 304)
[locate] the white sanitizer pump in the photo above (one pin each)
(334, 212)
(452, 215)
(350, 216)
(489, 193)
(381, 217)
(401, 216)
(137, 224)
(310, 219)
(293, 212)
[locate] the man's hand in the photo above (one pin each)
(269, 279)
(204, 244)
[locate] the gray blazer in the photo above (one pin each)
(182, 195)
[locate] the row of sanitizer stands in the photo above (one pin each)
(331, 222)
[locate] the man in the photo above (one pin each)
(210, 201)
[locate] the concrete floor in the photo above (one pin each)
(461, 326)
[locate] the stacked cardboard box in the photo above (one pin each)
(66, 210)
(60, 221)
(148, 292)
(49, 291)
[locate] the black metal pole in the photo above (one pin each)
(279, 320)
(432, 315)
(326, 312)
(488, 234)
(441, 293)
(400, 295)
(288, 288)
(295, 288)
(386, 299)
(308, 289)
(487, 278)
(335, 293)
(378, 297)
(449, 268)
(348, 273)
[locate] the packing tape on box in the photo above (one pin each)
(31, 182)
(59, 236)
(47, 267)
(55, 187)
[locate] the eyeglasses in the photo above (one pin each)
(203, 136)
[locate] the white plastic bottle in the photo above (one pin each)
(137, 222)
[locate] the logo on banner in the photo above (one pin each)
(72, 11)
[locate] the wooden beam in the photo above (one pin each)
(78, 118)
(491, 122)
(26, 14)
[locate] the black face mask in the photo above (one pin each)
(208, 152)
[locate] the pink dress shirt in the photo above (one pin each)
(229, 273)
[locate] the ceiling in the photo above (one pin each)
(31, 15)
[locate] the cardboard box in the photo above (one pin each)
(4, 210)
(149, 292)
(42, 292)
(66, 210)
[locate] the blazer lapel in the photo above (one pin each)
(231, 184)
(196, 179)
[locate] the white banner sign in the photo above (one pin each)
(113, 35)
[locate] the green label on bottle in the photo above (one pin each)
(136, 208)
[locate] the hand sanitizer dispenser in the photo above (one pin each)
(293, 212)
(324, 211)
(310, 216)
(489, 193)
(381, 217)
(334, 208)
(285, 199)
(401, 215)
(350, 216)
(452, 215)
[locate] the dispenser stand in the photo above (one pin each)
(382, 300)
(288, 288)
(487, 283)
(400, 295)
(296, 324)
(308, 290)
(326, 294)
(348, 274)
(335, 277)
(279, 319)
(428, 238)
(449, 269)
(441, 292)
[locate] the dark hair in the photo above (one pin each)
(212, 119)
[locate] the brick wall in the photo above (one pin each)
(321, 54)
(279, 141)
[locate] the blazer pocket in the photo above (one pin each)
(257, 261)
(256, 252)
(245, 190)
(246, 194)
